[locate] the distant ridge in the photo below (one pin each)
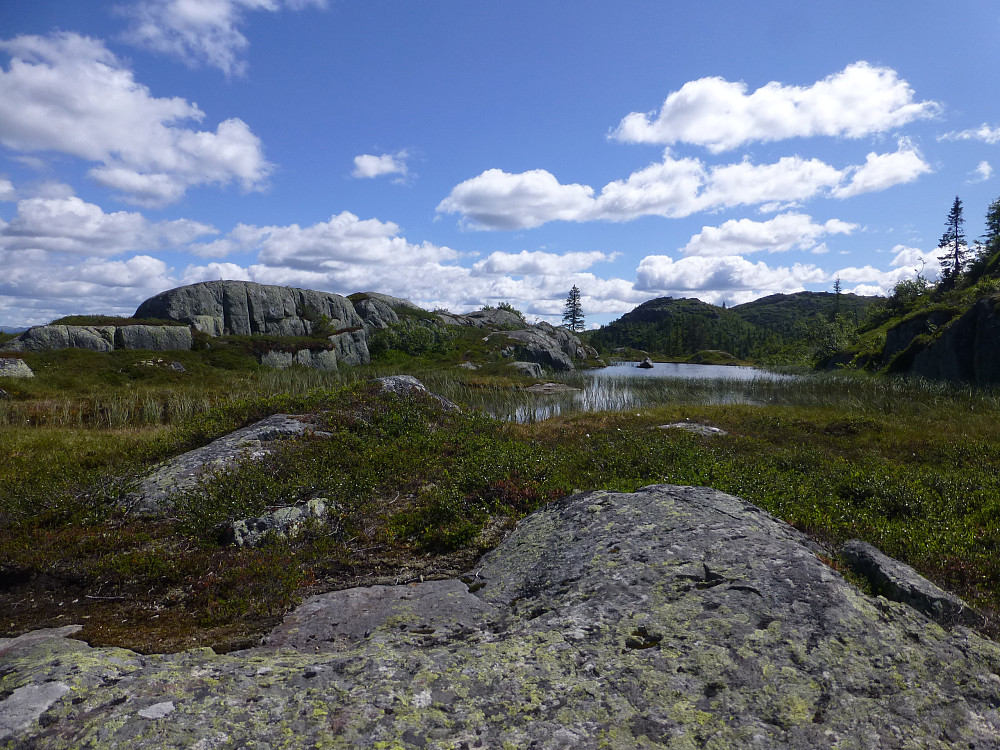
(682, 327)
(780, 312)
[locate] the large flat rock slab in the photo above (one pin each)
(179, 474)
(670, 617)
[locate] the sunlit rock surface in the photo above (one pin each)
(245, 308)
(671, 617)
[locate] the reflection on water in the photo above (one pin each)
(625, 386)
(686, 372)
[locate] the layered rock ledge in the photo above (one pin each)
(670, 617)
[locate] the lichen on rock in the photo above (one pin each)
(674, 617)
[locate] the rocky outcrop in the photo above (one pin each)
(47, 338)
(705, 430)
(544, 344)
(671, 617)
(13, 367)
(244, 308)
(899, 337)
(351, 347)
(102, 338)
(155, 494)
(964, 348)
(378, 311)
(494, 318)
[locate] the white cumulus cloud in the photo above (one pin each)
(721, 115)
(722, 275)
(337, 244)
(498, 200)
(68, 224)
(907, 263)
(672, 188)
(784, 232)
(68, 93)
(200, 32)
(540, 263)
(881, 171)
(371, 165)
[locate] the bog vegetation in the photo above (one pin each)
(418, 492)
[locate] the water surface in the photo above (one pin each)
(626, 386)
(685, 371)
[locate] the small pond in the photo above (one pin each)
(625, 386)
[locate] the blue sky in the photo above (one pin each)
(464, 153)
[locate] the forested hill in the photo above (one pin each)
(680, 327)
(780, 312)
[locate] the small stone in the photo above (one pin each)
(706, 430)
(14, 367)
(157, 710)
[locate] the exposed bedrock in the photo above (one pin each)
(670, 617)
(244, 308)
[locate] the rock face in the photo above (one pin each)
(153, 338)
(899, 337)
(546, 345)
(531, 369)
(351, 347)
(102, 338)
(494, 318)
(243, 308)
(966, 348)
(47, 338)
(378, 311)
(671, 617)
(898, 582)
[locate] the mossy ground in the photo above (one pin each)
(421, 493)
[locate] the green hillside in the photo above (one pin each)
(780, 327)
(781, 313)
(680, 327)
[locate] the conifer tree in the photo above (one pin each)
(953, 243)
(573, 311)
(991, 240)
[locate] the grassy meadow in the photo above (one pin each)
(419, 493)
